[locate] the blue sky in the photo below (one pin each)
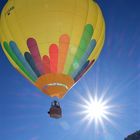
(23, 107)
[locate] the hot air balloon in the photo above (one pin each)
(52, 43)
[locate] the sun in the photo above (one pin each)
(96, 110)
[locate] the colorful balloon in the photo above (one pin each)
(53, 43)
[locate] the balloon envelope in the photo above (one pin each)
(53, 43)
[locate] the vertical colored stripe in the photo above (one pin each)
(20, 57)
(15, 59)
(64, 42)
(84, 71)
(46, 64)
(85, 40)
(34, 50)
(84, 57)
(31, 62)
(53, 51)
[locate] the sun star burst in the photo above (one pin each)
(96, 110)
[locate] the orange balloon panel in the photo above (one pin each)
(55, 85)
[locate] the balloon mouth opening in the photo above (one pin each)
(55, 85)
